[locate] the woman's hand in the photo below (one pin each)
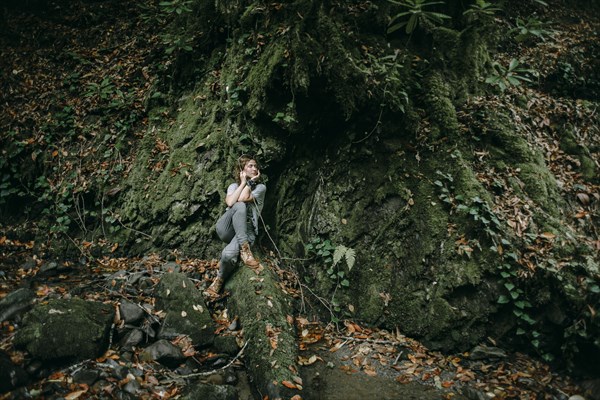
(243, 178)
(255, 178)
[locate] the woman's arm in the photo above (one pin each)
(241, 193)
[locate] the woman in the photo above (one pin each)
(238, 226)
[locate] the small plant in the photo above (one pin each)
(512, 76)
(386, 72)
(176, 6)
(176, 43)
(104, 90)
(481, 10)
(331, 256)
(532, 28)
(287, 116)
(344, 252)
(416, 13)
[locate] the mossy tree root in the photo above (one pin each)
(264, 312)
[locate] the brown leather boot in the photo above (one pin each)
(247, 256)
(215, 287)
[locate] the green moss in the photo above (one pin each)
(440, 107)
(66, 330)
(262, 309)
(540, 186)
(569, 145)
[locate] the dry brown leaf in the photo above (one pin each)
(289, 384)
(75, 395)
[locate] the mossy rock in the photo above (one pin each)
(70, 330)
(186, 311)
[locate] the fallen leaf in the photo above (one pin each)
(289, 385)
(75, 395)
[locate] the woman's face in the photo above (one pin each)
(251, 169)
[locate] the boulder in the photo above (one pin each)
(72, 330)
(186, 311)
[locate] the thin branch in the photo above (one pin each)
(207, 373)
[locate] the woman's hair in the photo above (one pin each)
(240, 164)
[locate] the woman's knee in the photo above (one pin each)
(230, 253)
(239, 206)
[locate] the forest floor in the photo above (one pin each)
(380, 361)
(116, 59)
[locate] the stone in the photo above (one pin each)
(86, 376)
(29, 264)
(483, 352)
(186, 310)
(171, 266)
(131, 313)
(72, 330)
(15, 303)
(213, 392)
(48, 267)
(164, 352)
(131, 339)
(132, 386)
(226, 344)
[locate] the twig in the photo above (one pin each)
(76, 245)
(324, 302)
(207, 373)
(376, 341)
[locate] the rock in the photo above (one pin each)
(230, 377)
(148, 331)
(592, 389)
(120, 372)
(163, 352)
(29, 264)
(117, 280)
(135, 277)
(11, 375)
(49, 267)
(473, 394)
(86, 376)
(234, 325)
(15, 303)
(132, 386)
(171, 267)
(213, 392)
(131, 313)
(187, 313)
(483, 352)
(214, 379)
(226, 344)
(34, 368)
(131, 339)
(72, 330)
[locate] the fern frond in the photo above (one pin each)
(350, 256)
